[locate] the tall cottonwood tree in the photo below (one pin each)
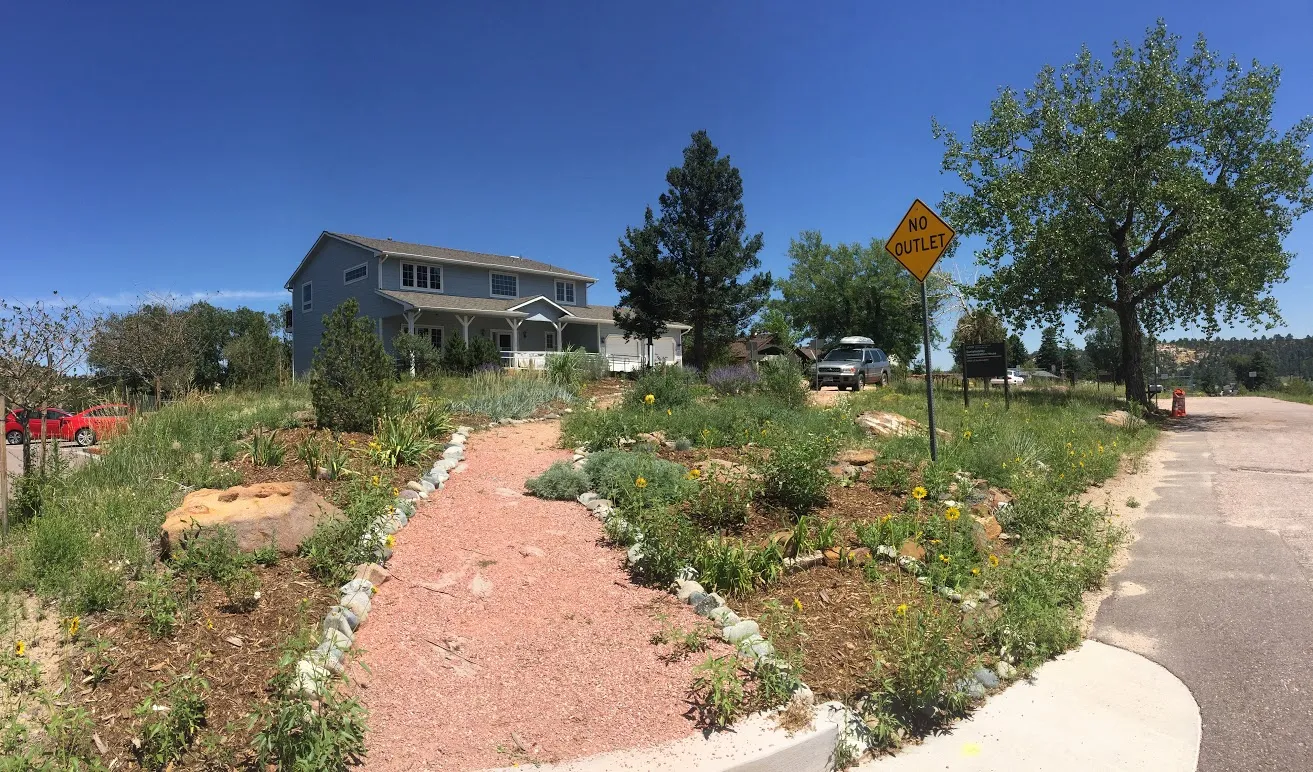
(1156, 187)
(151, 343)
(695, 260)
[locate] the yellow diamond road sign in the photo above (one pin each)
(919, 240)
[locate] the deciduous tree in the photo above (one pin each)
(1156, 187)
(151, 343)
(850, 289)
(975, 326)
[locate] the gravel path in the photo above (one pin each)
(508, 633)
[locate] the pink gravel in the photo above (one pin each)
(507, 624)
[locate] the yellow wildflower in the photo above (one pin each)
(640, 483)
(209, 624)
(19, 648)
(945, 559)
(952, 513)
(993, 561)
(374, 481)
(668, 412)
(694, 474)
(966, 434)
(797, 604)
(1082, 465)
(902, 609)
(934, 541)
(74, 625)
(396, 491)
(390, 541)
(918, 493)
(886, 518)
(1005, 465)
(649, 399)
(975, 572)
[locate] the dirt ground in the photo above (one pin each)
(510, 632)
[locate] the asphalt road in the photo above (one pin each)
(1218, 590)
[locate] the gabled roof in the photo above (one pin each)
(404, 248)
(442, 254)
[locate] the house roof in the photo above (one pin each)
(405, 248)
(432, 301)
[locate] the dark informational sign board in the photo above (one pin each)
(985, 360)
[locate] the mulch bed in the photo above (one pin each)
(841, 609)
(236, 653)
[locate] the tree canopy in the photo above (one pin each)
(1156, 187)
(835, 290)
(695, 261)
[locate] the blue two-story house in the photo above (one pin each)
(527, 308)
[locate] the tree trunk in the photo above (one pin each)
(1132, 352)
(157, 392)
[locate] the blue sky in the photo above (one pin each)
(197, 149)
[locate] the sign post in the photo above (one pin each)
(918, 242)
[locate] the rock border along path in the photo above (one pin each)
(509, 633)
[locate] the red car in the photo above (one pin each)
(95, 423)
(14, 424)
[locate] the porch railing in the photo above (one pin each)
(537, 360)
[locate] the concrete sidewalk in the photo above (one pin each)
(1095, 708)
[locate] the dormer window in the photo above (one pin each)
(421, 277)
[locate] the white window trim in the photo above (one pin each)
(442, 278)
(346, 281)
(574, 290)
(426, 328)
(311, 305)
(515, 276)
(556, 344)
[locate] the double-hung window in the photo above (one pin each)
(421, 276)
(565, 292)
(307, 296)
(434, 334)
(504, 285)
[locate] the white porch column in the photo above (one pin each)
(465, 322)
(560, 332)
(599, 339)
(515, 339)
(411, 316)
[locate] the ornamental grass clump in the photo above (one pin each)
(502, 396)
(613, 472)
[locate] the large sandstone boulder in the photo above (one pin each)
(284, 512)
(882, 423)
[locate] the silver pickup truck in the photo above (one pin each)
(855, 363)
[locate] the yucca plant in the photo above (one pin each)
(399, 440)
(310, 454)
(337, 460)
(263, 449)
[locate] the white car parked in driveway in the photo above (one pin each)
(1015, 378)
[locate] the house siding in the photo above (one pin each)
(474, 282)
(324, 269)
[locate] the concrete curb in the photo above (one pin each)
(752, 745)
(1097, 707)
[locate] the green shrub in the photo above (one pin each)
(669, 541)
(671, 386)
(241, 589)
(159, 604)
(720, 502)
(724, 565)
(339, 544)
(351, 373)
(560, 481)
(614, 474)
(416, 352)
(784, 383)
(210, 554)
(501, 396)
(461, 358)
(920, 647)
(166, 735)
(718, 694)
(795, 472)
